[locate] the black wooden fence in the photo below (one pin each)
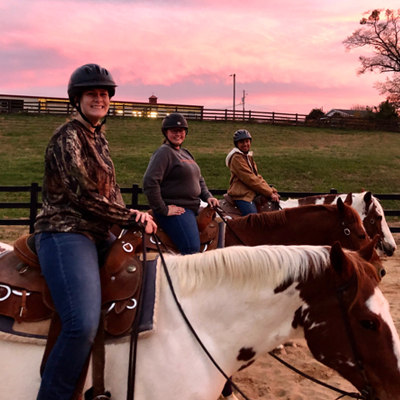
(191, 112)
(34, 205)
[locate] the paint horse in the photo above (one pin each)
(367, 206)
(243, 302)
(306, 225)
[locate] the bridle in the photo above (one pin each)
(366, 392)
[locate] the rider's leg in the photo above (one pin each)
(246, 207)
(183, 231)
(69, 264)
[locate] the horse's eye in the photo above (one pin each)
(382, 272)
(379, 217)
(368, 324)
(361, 236)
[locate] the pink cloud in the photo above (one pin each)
(285, 54)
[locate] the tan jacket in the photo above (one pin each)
(245, 181)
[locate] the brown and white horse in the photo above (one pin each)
(243, 302)
(307, 225)
(367, 206)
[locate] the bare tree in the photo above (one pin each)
(383, 38)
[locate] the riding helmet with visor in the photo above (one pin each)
(240, 135)
(174, 120)
(86, 77)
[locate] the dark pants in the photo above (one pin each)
(246, 207)
(183, 231)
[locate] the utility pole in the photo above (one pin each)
(234, 90)
(243, 98)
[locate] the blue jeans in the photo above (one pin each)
(69, 263)
(182, 229)
(246, 207)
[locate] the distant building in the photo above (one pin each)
(58, 105)
(336, 112)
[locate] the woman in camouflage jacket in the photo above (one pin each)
(81, 201)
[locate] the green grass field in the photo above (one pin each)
(290, 158)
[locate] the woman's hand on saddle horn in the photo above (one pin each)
(213, 202)
(146, 219)
(275, 197)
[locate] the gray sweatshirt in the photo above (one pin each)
(173, 177)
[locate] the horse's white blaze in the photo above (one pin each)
(379, 305)
(388, 237)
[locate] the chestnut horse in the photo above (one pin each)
(243, 302)
(367, 206)
(308, 225)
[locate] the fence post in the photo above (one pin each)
(33, 205)
(333, 191)
(135, 196)
(273, 118)
(297, 117)
(249, 115)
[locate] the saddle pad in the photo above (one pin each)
(36, 332)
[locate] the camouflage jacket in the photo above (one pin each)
(80, 193)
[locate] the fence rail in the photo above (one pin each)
(34, 205)
(61, 106)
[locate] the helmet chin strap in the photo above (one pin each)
(173, 145)
(244, 152)
(95, 127)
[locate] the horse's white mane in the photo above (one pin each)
(248, 266)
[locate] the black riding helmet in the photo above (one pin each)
(89, 76)
(240, 135)
(174, 120)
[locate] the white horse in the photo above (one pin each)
(367, 206)
(243, 302)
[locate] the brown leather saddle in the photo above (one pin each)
(25, 297)
(263, 204)
(208, 230)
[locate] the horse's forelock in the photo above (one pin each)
(378, 207)
(363, 270)
(241, 266)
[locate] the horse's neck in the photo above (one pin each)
(235, 319)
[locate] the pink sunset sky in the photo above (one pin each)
(287, 55)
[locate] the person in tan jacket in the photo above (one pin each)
(245, 182)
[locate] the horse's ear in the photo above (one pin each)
(340, 262)
(343, 208)
(367, 252)
(367, 198)
(349, 199)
